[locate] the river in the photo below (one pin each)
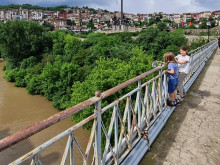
(18, 110)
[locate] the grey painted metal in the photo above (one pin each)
(140, 113)
(116, 133)
(31, 130)
(72, 149)
(198, 60)
(143, 145)
(98, 134)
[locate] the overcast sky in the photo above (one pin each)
(131, 6)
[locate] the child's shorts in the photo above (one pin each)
(172, 85)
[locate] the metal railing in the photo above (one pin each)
(198, 59)
(133, 113)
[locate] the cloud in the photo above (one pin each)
(61, 2)
(131, 6)
(209, 4)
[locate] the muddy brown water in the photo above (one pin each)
(18, 110)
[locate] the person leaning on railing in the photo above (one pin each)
(183, 68)
(173, 78)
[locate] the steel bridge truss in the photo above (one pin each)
(137, 118)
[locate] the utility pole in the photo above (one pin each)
(122, 15)
(208, 23)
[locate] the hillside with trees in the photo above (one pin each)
(67, 70)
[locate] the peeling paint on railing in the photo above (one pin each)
(144, 107)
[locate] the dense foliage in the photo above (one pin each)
(22, 39)
(68, 70)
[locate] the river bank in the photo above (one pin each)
(18, 110)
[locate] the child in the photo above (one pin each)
(173, 78)
(184, 67)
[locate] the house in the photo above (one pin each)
(205, 14)
(2, 15)
(76, 18)
(195, 16)
(62, 15)
(177, 18)
(164, 15)
(59, 23)
(23, 14)
(216, 13)
(187, 17)
(171, 17)
(36, 15)
(12, 14)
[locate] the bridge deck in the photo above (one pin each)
(192, 134)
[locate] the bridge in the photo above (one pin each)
(137, 118)
(191, 135)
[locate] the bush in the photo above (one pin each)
(21, 39)
(10, 75)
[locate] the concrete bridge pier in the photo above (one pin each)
(192, 133)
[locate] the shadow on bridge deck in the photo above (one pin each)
(191, 135)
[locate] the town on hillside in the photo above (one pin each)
(80, 19)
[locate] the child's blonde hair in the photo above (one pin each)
(169, 57)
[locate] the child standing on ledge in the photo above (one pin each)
(173, 78)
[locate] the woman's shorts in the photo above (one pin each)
(172, 84)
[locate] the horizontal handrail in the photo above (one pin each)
(201, 47)
(35, 128)
(144, 111)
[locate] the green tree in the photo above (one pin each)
(22, 39)
(71, 23)
(177, 38)
(203, 23)
(90, 24)
(103, 47)
(162, 26)
(70, 11)
(59, 41)
(151, 21)
(72, 46)
(48, 26)
(147, 37)
(92, 39)
(162, 40)
(167, 20)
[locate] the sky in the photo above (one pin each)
(131, 6)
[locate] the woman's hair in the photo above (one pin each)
(169, 57)
(184, 49)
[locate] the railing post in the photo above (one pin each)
(160, 89)
(154, 99)
(72, 149)
(139, 103)
(116, 133)
(98, 130)
(165, 89)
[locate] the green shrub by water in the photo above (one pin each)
(68, 71)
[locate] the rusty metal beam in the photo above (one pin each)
(35, 128)
(129, 82)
